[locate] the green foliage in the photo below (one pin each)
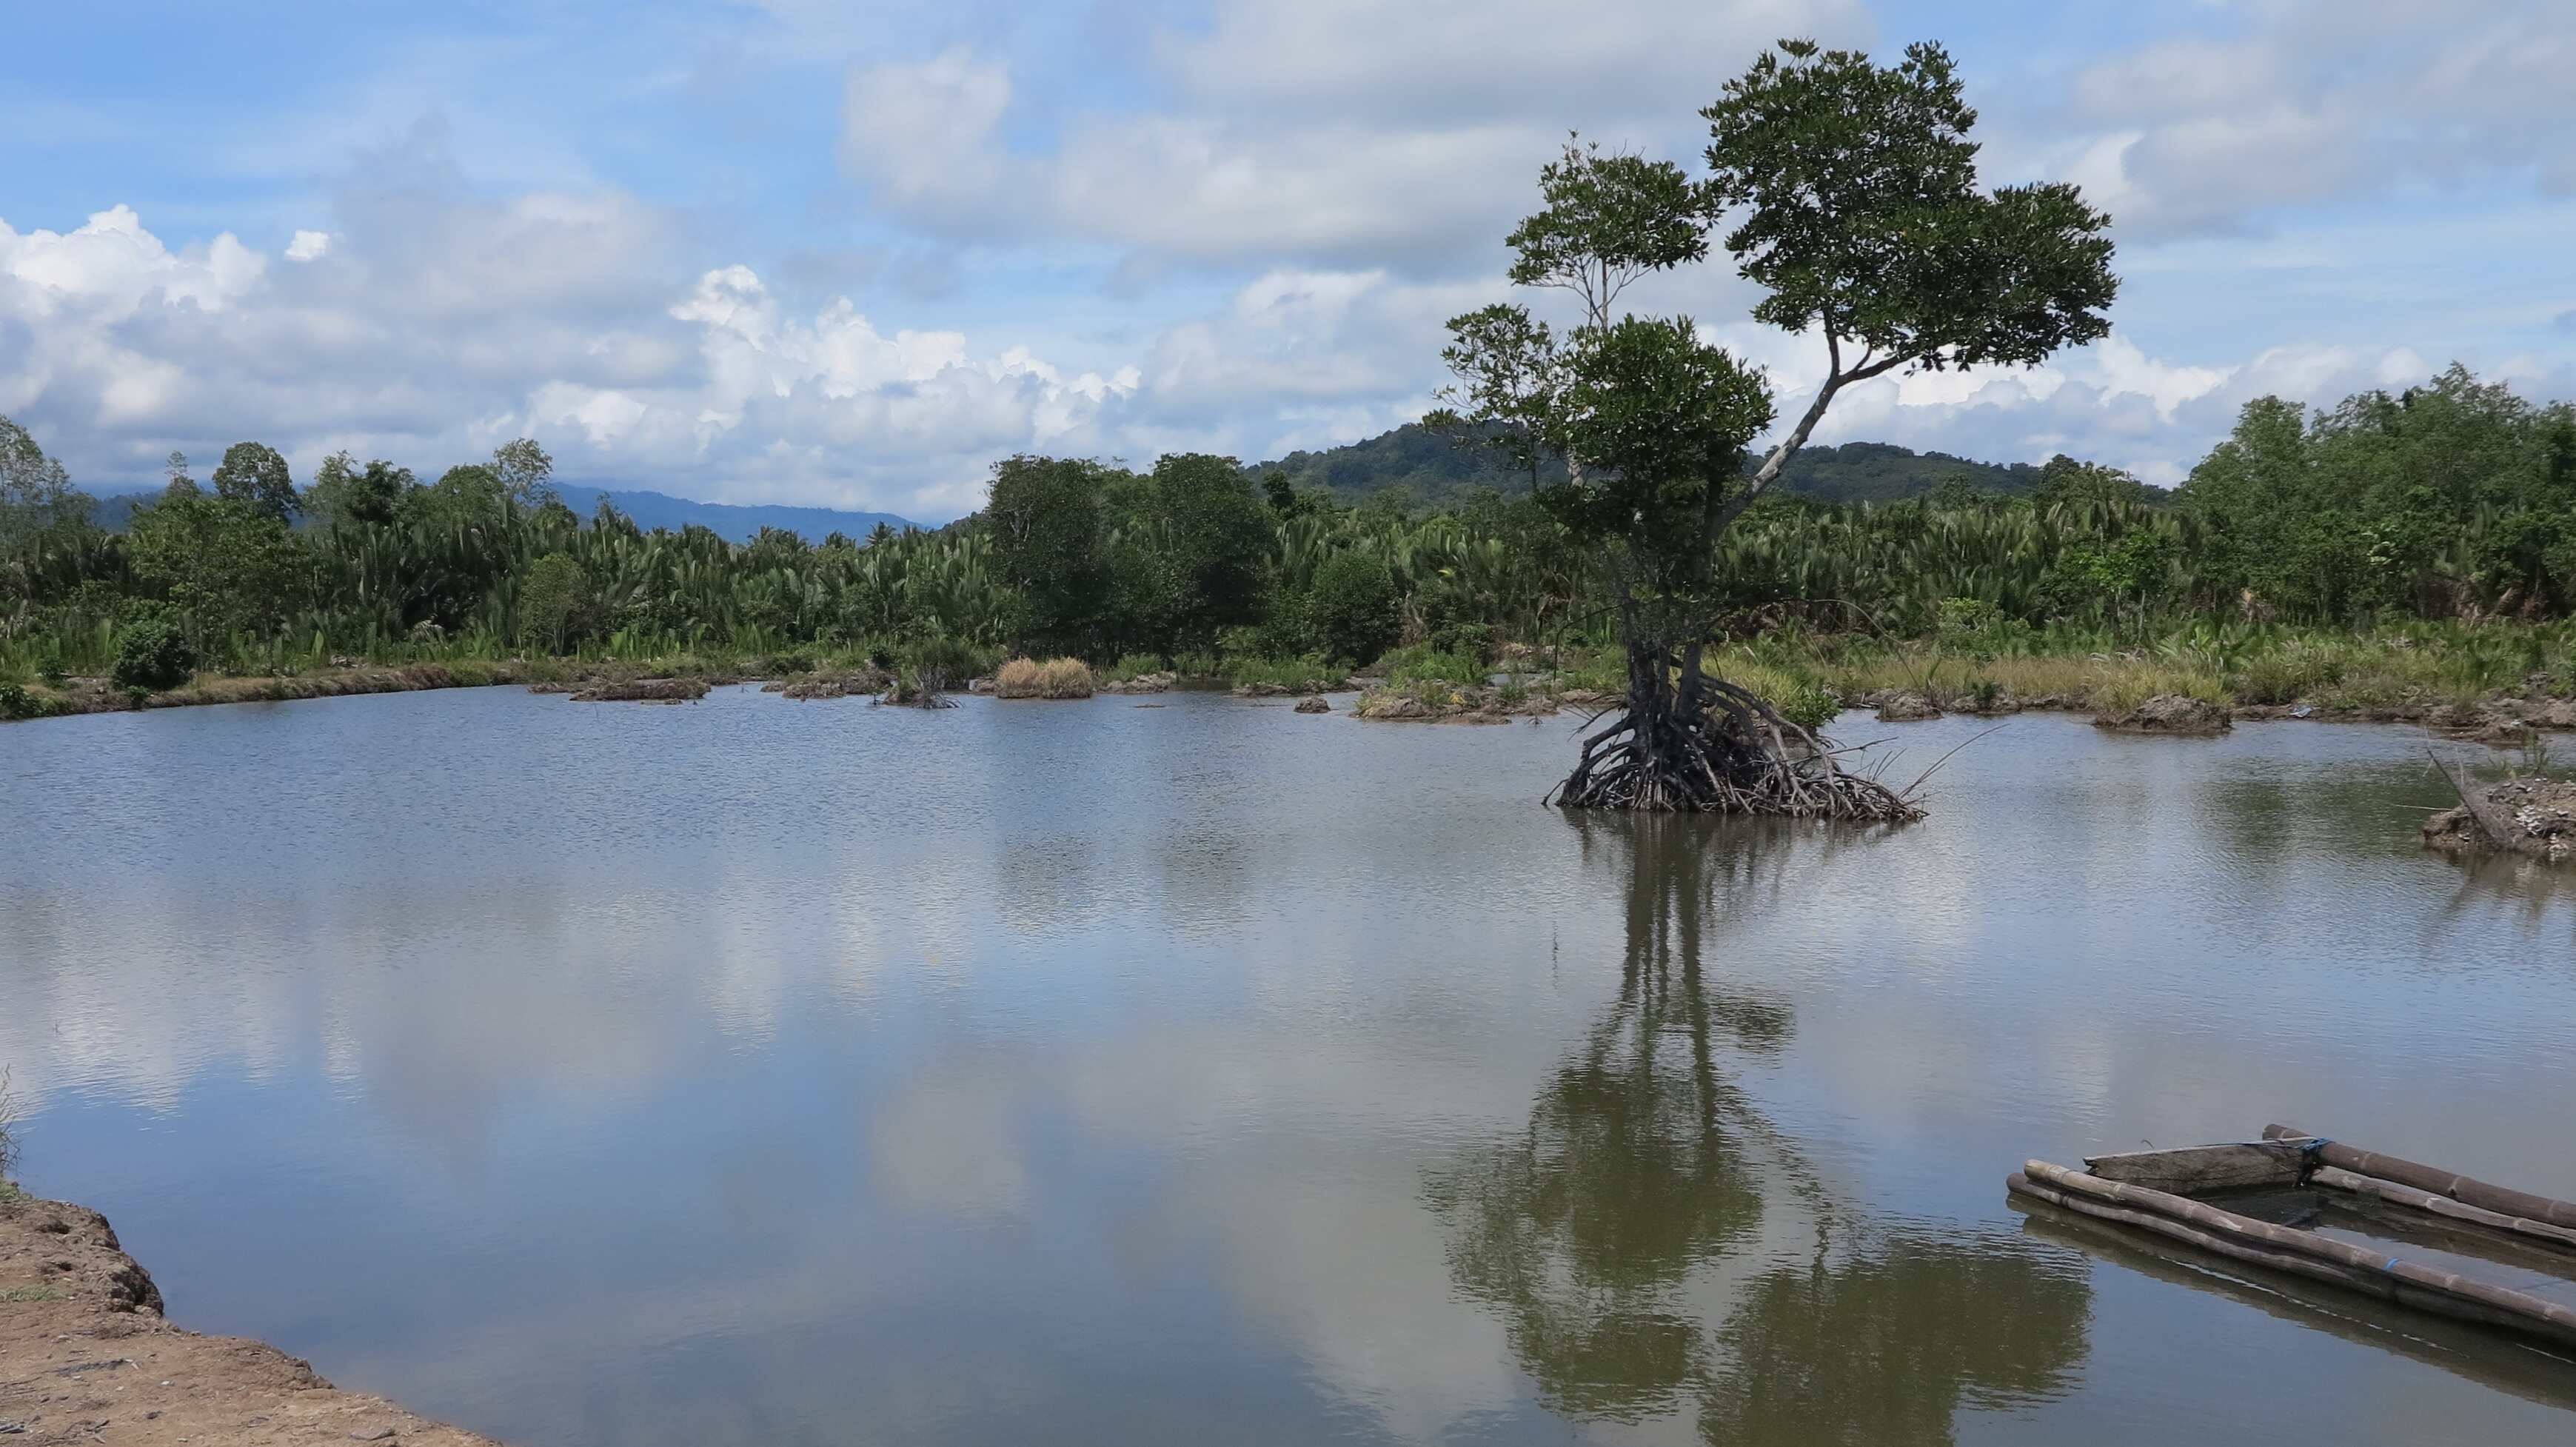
(1305, 673)
(347, 495)
(1855, 197)
(153, 655)
(1424, 664)
(254, 475)
(16, 702)
(524, 470)
(1188, 554)
(555, 603)
(37, 499)
(228, 565)
(1354, 608)
(1049, 524)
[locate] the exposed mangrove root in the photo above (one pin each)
(1706, 745)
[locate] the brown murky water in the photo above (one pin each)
(762, 1072)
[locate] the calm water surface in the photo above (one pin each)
(1197, 1071)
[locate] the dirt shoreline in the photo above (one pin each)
(86, 1356)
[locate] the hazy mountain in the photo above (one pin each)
(1430, 469)
(735, 522)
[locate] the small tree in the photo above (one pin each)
(1050, 536)
(554, 596)
(344, 494)
(525, 472)
(1854, 195)
(37, 498)
(1354, 607)
(253, 474)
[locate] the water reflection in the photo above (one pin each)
(1656, 1247)
(2479, 1356)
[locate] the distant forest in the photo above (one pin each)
(1429, 470)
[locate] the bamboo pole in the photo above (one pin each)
(2304, 1252)
(2397, 1193)
(2467, 1190)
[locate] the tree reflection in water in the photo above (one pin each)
(1656, 1247)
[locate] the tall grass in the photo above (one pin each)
(1055, 678)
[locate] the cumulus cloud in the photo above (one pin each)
(2315, 101)
(1354, 131)
(1240, 229)
(431, 323)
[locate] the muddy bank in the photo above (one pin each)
(2519, 816)
(1437, 704)
(95, 695)
(2178, 715)
(645, 690)
(86, 1356)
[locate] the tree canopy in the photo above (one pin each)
(255, 475)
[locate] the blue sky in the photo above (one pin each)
(845, 255)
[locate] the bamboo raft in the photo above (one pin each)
(2153, 1192)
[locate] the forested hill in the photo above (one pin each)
(650, 510)
(1428, 469)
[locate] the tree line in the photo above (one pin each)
(2454, 499)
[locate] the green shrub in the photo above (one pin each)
(16, 702)
(153, 655)
(1426, 663)
(1286, 630)
(1474, 641)
(1958, 617)
(1298, 674)
(1354, 607)
(941, 661)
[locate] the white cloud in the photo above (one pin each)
(1345, 131)
(308, 246)
(2316, 101)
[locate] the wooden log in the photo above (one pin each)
(2191, 1170)
(2385, 1285)
(2468, 1190)
(2407, 1282)
(2508, 1362)
(2397, 1193)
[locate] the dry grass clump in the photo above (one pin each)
(1055, 678)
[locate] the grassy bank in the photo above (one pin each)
(2448, 675)
(2422, 671)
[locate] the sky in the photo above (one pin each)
(849, 256)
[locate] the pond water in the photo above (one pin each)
(1189, 1070)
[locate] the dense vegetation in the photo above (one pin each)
(2440, 519)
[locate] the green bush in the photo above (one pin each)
(1306, 671)
(1473, 641)
(1354, 606)
(153, 655)
(17, 703)
(1426, 663)
(939, 657)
